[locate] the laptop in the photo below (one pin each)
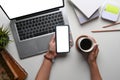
(33, 23)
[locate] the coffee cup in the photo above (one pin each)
(85, 44)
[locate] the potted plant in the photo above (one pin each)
(4, 40)
(10, 69)
(4, 37)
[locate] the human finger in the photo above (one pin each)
(71, 43)
(94, 50)
(53, 38)
(97, 50)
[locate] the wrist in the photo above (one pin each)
(92, 63)
(49, 58)
(50, 55)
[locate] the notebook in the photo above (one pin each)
(111, 11)
(83, 19)
(88, 8)
(33, 23)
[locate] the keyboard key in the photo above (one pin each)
(39, 26)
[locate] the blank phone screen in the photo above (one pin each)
(62, 39)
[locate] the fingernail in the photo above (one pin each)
(96, 44)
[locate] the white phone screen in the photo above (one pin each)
(62, 39)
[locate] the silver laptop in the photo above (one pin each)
(33, 23)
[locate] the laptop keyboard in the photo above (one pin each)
(39, 25)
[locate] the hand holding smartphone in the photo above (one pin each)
(62, 39)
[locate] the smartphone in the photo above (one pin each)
(62, 39)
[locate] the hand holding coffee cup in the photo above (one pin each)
(85, 44)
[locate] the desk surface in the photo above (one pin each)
(73, 66)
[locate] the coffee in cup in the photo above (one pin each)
(85, 44)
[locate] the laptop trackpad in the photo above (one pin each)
(43, 43)
(27, 48)
(34, 46)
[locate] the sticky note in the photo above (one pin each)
(113, 9)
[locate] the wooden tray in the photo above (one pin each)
(13, 69)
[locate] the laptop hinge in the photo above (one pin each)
(38, 13)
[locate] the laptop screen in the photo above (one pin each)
(17, 8)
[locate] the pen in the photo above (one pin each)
(110, 30)
(111, 25)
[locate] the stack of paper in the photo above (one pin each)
(86, 10)
(83, 19)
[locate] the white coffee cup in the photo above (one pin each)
(86, 44)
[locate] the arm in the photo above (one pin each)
(95, 74)
(44, 72)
